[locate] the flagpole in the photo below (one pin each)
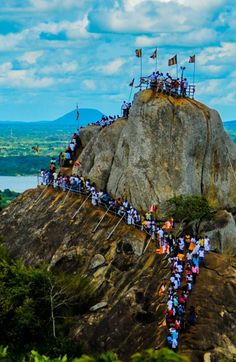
(194, 69)
(156, 60)
(177, 73)
(130, 93)
(77, 118)
(141, 68)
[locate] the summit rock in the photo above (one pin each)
(167, 147)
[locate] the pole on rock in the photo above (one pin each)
(81, 205)
(149, 240)
(96, 227)
(41, 194)
(115, 227)
(130, 93)
(67, 194)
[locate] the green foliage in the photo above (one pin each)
(162, 355)
(150, 355)
(188, 208)
(6, 197)
(36, 357)
(103, 357)
(3, 353)
(24, 165)
(26, 307)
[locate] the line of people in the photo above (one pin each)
(104, 121)
(186, 256)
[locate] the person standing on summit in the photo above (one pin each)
(124, 108)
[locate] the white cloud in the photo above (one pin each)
(48, 5)
(65, 67)
(73, 29)
(220, 91)
(89, 84)
(23, 78)
(12, 40)
(155, 16)
(225, 53)
(112, 67)
(202, 37)
(31, 57)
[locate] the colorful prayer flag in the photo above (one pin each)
(172, 61)
(131, 83)
(192, 59)
(154, 54)
(138, 53)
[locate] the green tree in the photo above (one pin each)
(186, 208)
(26, 307)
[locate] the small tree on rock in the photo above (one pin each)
(186, 208)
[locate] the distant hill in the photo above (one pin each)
(87, 115)
(230, 128)
(17, 140)
(230, 124)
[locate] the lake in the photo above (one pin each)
(18, 183)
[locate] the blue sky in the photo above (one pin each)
(55, 53)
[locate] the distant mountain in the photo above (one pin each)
(230, 124)
(87, 115)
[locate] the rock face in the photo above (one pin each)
(222, 232)
(128, 313)
(166, 147)
(214, 299)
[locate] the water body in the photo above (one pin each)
(18, 183)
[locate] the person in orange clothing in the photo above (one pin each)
(187, 239)
(181, 257)
(162, 289)
(191, 246)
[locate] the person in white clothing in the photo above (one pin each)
(207, 244)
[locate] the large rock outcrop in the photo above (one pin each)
(222, 232)
(128, 313)
(166, 147)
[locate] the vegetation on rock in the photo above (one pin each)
(186, 208)
(150, 355)
(37, 307)
(6, 197)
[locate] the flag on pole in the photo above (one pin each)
(172, 61)
(192, 59)
(131, 83)
(154, 54)
(138, 53)
(77, 112)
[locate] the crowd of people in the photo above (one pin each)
(186, 256)
(105, 121)
(166, 83)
